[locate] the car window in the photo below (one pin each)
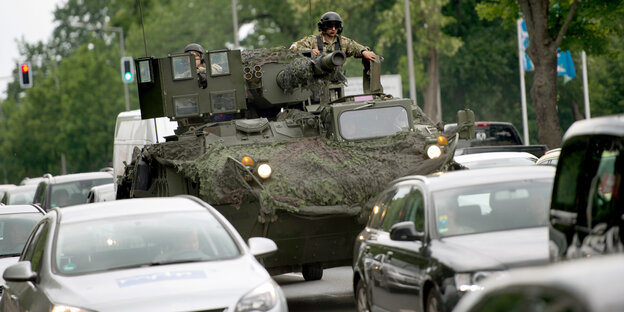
(35, 248)
(535, 299)
(73, 193)
(415, 209)
(15, 229)
(134, 241)
(395, 212)
(379, 210)
(492, 207)
(589, 173)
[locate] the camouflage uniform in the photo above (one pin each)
(349, 46)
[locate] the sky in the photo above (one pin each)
(30, 19)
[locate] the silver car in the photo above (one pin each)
(151, 254)
(16, 223)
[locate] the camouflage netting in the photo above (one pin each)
(307, 172)
(299, 71)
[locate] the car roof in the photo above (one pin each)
(125, 207)
(597, 280)
(608, 125)
(79, 177)
(108, 187)
(11, 209)
(494, 155)
(461, 178)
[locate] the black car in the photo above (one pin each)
(430, 239)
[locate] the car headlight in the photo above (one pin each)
(264, 171)
(471, 281)
(433, 151)
(261, 298)
(65, 308)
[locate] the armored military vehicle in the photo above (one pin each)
(268, 139)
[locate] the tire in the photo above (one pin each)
(361, 299)
(434, 301)
(312, 271)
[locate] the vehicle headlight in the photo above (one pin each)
(261, 298)
(433, 151)
(472, 281)
(65, 308)
(264, 171)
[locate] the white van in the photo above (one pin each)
(131, 131)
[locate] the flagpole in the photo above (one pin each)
(585, 88)
(525, 126)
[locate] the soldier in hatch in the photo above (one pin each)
(329, 40)
(198, 51)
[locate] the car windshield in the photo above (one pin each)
(73, 193)
(15, 229)
(492, 207)
(373, 123)
(141, 240)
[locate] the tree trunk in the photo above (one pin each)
(543, 52)
(431, 92)
(544, 98)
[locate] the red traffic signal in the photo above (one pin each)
(25, 75)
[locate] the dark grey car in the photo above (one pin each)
(431, 239)
(581, 285)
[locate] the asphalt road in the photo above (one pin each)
(333, 293)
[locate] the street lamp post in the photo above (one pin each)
(121, 44)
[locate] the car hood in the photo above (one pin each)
(5, 263)
(178, 287)
(499, 250)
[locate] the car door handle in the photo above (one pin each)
(14, 297)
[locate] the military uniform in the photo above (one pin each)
(349, 46)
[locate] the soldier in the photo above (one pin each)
(198, 51)
(329, 39)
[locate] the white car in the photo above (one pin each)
(149, 254)
(495, 159)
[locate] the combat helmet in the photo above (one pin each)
(194, 47)
(329, 18)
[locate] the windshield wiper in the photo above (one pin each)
(11, 255)
(155, 263)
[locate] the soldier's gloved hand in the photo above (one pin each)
(369, 55)
(216, 69)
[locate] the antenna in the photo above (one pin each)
(310, 11)
(143, 27)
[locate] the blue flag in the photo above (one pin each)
(565, 66)
(524, 37)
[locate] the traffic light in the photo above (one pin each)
(25, 75)
(127, 69)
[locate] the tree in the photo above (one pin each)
(430, 42)
(551, 25)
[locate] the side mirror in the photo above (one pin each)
(405, 231)
(20, 272)
(564, 218)
(261, 246)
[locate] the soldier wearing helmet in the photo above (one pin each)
(330, 39)
(198, 51)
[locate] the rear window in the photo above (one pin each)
(73, 193)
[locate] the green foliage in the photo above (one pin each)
(77, 90)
